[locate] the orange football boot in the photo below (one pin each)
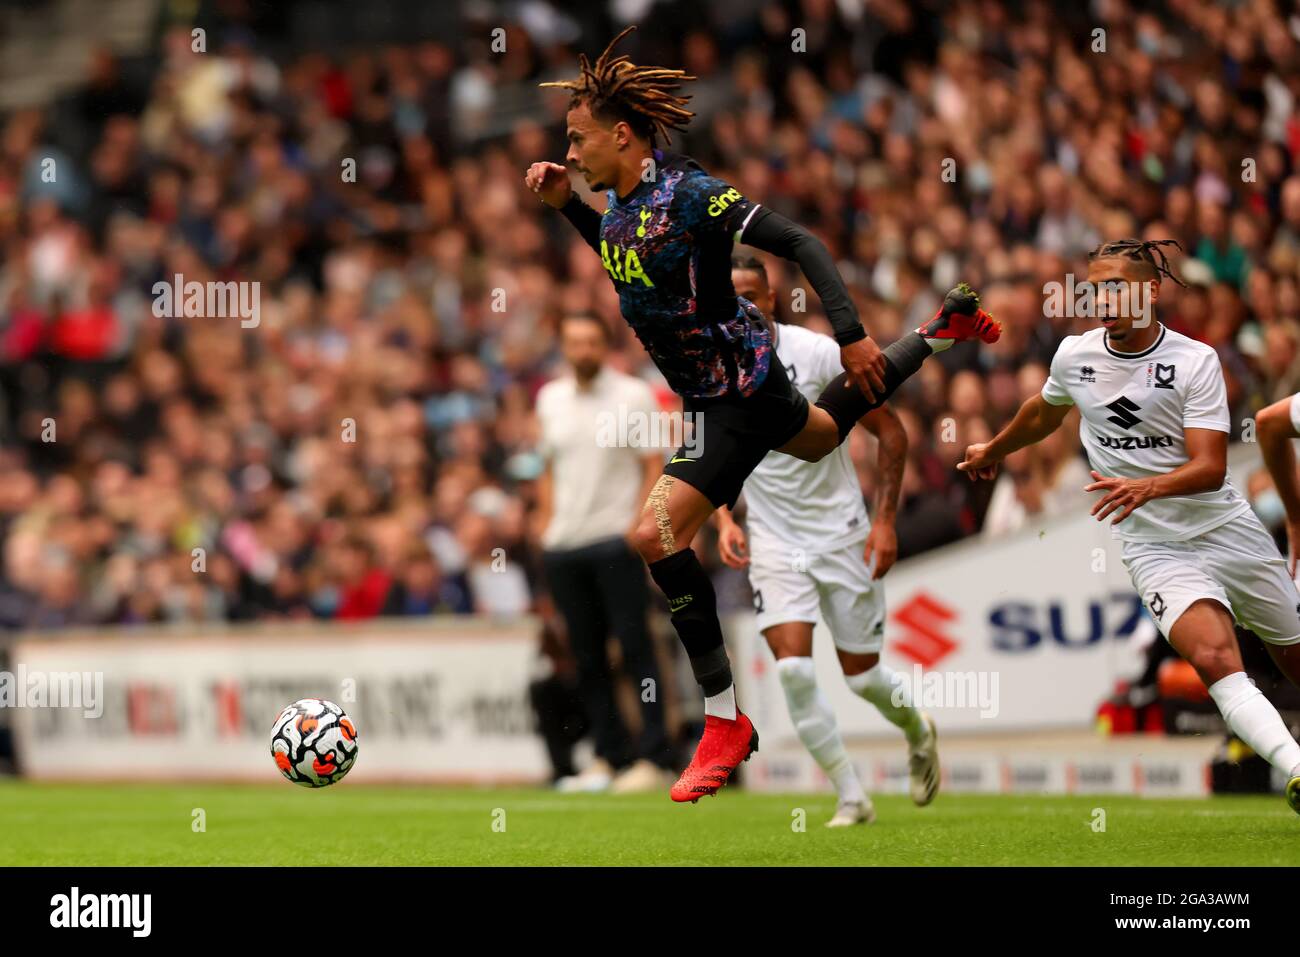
(961, 318)
(722, 747)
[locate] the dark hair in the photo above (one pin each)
(750, 263)
(615, 90)
(586, 317)
(1143, 251)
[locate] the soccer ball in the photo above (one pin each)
(314, 743)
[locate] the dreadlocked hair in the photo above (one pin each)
(615, 89)
(1145, 251)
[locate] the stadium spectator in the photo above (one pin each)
(597, 425)
(417, 299)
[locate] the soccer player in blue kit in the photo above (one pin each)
(666, 239)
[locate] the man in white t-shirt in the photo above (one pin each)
(1154, 422)
(812, 549)
(599, 468)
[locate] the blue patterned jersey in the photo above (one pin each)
(667, 249)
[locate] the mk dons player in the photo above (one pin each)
(1154, 421)
(817, 509)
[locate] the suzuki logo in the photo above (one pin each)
(1123, 407)
(923, 619)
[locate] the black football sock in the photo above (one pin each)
(845, 401)
(694, 609)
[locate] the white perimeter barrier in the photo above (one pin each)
(433, 700)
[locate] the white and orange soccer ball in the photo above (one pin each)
(314, 743)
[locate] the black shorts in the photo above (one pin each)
(733, 433)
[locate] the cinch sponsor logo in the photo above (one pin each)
(1135, 441)
(102, 910)
(718, 204)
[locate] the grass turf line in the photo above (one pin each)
(119, 825)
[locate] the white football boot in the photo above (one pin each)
(848, 813)
(923, 763)
(595, 778)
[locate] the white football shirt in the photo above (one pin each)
(1133, 409)
(594, 440)
(793, 504)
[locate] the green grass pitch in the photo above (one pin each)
(79, 825)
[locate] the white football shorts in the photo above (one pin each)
(793, 586)
(1236, 564)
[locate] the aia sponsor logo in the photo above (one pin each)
(924, 621)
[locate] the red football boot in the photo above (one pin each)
(723, 746)
(961, 318)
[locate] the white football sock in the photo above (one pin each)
(722, 704)
(1253, 718)
(939, 345)
(876, 685)
(815, 722)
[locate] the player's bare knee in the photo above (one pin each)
(852, 664)
(646, 538)
(1213, 659)
(1274, 420)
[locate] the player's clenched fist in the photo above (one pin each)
(550, 181)
(978, 463)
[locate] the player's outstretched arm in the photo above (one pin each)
(1036, 420)
(881, 550)
(860, 356)
(550, 181)
(1275, 432)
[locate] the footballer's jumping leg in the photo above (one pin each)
(842, 403)
(673, 514)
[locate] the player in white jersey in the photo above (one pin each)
(1276, 427)
(812, 547)
(1154, 422)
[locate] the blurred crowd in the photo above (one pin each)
(369, 447)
